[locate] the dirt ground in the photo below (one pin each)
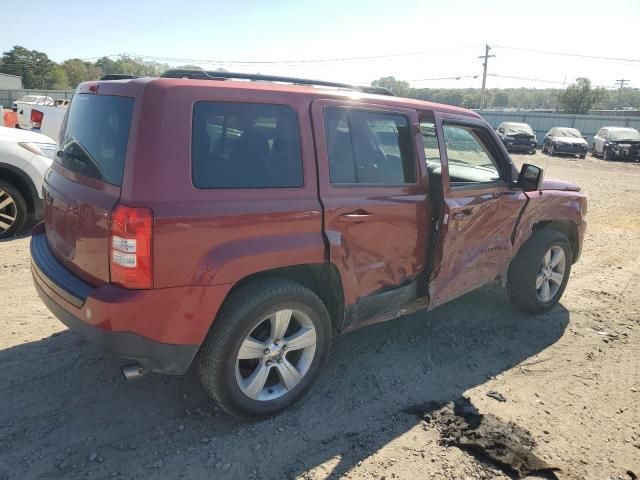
(570, 377)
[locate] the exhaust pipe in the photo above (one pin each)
(132, 371)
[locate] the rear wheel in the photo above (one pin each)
(266, 348)
(13, 210)
(584, 155)
(539, 272)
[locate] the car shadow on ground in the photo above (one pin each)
(68, 412)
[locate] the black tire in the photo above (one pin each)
(524, 268)
(605, 154)
(584, 155)
(551, 150)
(533, 152)
(241, 312)
(18, 210)
(593, 151)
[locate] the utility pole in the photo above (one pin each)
(620, 82)
(485, 57)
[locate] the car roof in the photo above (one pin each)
(18, 135)
(619, 128)
(134, 86)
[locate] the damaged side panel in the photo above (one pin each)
(564, 208)
(475, 245)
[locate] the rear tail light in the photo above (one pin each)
(131, 235)
(36, 118)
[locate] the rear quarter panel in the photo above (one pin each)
(216, 236)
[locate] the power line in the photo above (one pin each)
(568, 54)
(297, 61)
(455, 77)
(513, 77)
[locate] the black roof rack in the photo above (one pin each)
(210, 75)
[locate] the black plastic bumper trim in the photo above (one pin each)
(55, 275)
(152, 355)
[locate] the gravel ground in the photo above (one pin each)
(570, 377)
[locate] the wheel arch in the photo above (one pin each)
(18, 179)
(323, 279)
(567, 228)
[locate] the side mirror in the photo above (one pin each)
(530, 177)
(501, 130)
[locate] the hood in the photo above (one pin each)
(569, 140)
(18, 135)
(554, 184)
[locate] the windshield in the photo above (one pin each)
(512, 128)
(624, 134)
(568, 132)
(94, 142)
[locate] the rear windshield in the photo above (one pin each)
(624, 134)
(94, 141)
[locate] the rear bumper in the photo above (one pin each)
(161, 329)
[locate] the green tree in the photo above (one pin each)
(33, 66)
(398, 87)
(580, 96)
(57, 78)
(500, 99)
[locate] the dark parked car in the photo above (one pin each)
(617, 143)
(277, 216)
(517, 137)
(564, 140)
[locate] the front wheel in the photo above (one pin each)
(551, 150)
(266, 348)
(605, 154)
(539, 272)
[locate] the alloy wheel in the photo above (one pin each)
(551, 273)
(276, 355)
(8, 211)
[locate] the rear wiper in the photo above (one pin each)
(85, 158)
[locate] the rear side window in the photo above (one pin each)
(369, 147)
(94, 139)
(245, 145)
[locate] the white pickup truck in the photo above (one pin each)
(43, 118)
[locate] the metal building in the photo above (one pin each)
(10, 82)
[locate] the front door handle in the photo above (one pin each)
(356, 216)
(463, 215)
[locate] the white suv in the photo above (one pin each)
(24, 158)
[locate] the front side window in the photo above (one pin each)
(245, 145)
(469, 159)
(369, 147)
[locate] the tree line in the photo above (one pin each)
(38, 71)
(579, 97)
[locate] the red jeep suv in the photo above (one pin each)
(241, 222)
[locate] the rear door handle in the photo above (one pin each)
(463, 215)
(357, 216)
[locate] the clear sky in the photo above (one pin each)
(452, 33)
